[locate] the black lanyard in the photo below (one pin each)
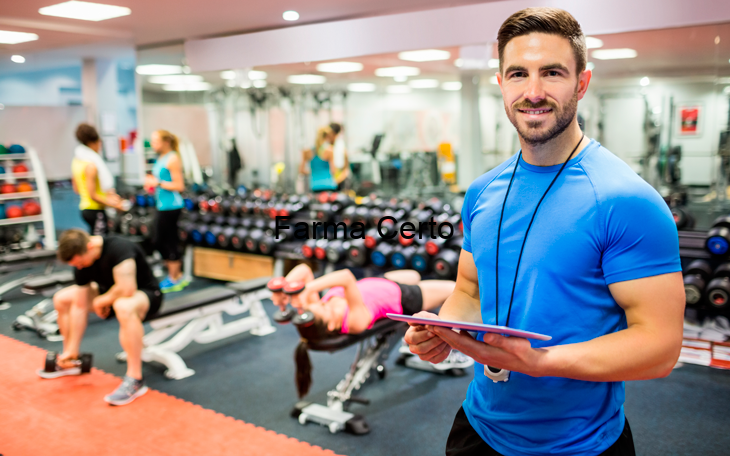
(522, 249)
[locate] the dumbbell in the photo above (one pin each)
(336, 250)
(718, 290)
(276, 285)
(197, 233)
(145, 225)
(402, 256)
(211, 237)
(695, 279)
(682, 218)
(238, 238)
(320, 249)
(718, 238)
(446, 263)
(134, 225)
(269, 242)
(308, 248)
(380, 256)
(253, 238)
(434, 246)
(214, 204)
(421, 260)
(224, 237)
(372, 237)
(348, 215)
(84, 362)
(202, 203)
(357, 253)
(303, 318)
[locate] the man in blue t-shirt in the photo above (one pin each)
(562, 239)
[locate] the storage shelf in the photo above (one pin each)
(15, 196)
(17, 176)
(14, 157)
(19, 220)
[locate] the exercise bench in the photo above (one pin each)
(18, 261)
(374, 347)
(42, 317)
(198, 317)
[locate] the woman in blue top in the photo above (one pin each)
(321, 163)
(167, 181)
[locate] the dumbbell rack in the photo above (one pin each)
(41, 193)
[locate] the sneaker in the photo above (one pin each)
(455, 360)
(129, 390)
(168, 285)
(59, 372)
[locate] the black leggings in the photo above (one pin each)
(464, 441)
(97, 221)
(166, 237)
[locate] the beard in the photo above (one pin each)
(531, 132)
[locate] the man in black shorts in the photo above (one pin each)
(112, 278)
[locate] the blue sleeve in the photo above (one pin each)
(466, 211)
(640, 238)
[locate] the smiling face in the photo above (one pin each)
(540, 86)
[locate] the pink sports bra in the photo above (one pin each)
(379, 295)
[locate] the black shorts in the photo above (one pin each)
(155, 298)
(464, 441)
(97, 221)
(166, 237)
(411, 298)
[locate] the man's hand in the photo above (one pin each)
(101, 306)
(511, 353)
(67, 359)
(426, 343)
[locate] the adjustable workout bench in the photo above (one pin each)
(42, 317)
(198, 317)
(374, 346)
(13, 262)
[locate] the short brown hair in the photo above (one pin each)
(72, 242)
(86, 134)
(553, 21)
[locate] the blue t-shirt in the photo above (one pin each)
(599, 224)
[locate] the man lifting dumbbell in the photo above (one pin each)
(112, 279)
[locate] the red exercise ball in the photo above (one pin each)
(31, 207)
(20, 168)
(24, 187)
(7, 188)
(13, 212)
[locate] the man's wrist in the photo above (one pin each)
(546, 362)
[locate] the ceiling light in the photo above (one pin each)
(306, 79)
(423, 83)
(590, 66)
(18, 59)
(175, 79)
(85, 11)
(340, 67)
(7, 37)
(493, 80)
(228, 74)
(593, 43)
(612, 54)
(391, 72)
(257, 75)
(191, 87)
(398, 89)
(644, 81)
(458, 62)
(493, 63)
(361, 87)
(400, 78)
(231, 83)
(425, 55)
(290, 16)
(259, 83)
(451, 85)
(245, 85)
(159, 69)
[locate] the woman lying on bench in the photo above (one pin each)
(352, 306)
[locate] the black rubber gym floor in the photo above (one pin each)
(252, 378)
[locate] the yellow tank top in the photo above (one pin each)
(78, 171)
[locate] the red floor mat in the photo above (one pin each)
(68, 416)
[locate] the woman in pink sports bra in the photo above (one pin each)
(352, 306)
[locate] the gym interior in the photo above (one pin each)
(400, 106)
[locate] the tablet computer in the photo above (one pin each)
(468, 326)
